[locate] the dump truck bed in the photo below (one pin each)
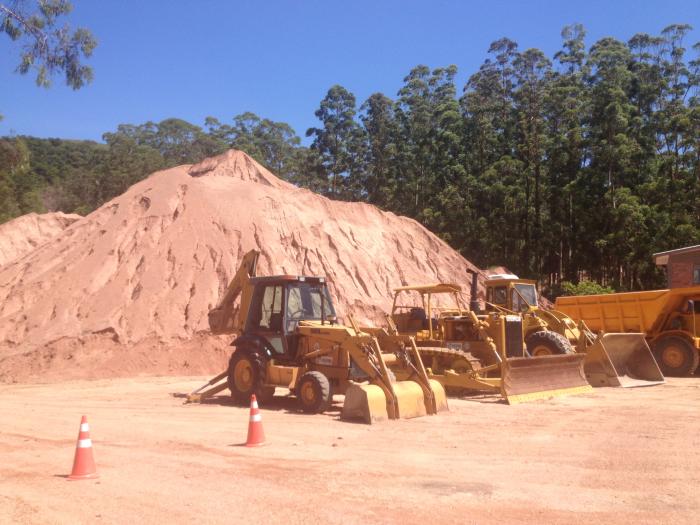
(626, 312)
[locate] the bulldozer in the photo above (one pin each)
(611, 359)
(464, 350)
(288, 336)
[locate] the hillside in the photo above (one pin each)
(127, 288)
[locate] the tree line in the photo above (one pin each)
(564, 168)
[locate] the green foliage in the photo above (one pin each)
(338, 143)
(571, 169)
(584, 288)
(47, 48)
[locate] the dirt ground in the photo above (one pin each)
(613, 456)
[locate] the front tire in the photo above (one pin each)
(246, 376)
(314, 392)
(546, 342)
(675, 356)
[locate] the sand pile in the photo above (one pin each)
(23, 234)
(127, 288)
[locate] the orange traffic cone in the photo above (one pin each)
(83, 464)
(256, 434)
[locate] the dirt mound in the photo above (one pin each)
(146, 267)
(23, 234)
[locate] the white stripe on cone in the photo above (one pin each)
(254, 404)
(85, 443)
(84, 427)
(256, 417)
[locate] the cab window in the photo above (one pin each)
(271, 309)
(304, 303)
(500, 295)
(518, 304)
(527, 295)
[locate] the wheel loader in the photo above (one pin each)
(612, 359)
(289, 336)
(466, 351)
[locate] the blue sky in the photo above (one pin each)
(190, 59)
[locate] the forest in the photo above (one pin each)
(567, 169)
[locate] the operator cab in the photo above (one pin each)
(426, 320)
(279, 303)
(509, 292)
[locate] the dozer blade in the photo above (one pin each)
(528, 379)
(623, 360)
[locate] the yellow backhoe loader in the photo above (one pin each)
(289, 336)
(612, 359)
(466, 351)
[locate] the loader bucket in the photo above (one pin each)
(623, 360)
(365, 402)
(528, 379)
(369, 403)
(439, 394)
(409, 399)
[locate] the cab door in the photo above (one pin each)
(269, 319)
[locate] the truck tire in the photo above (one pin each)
(314, 392)
(675, 356)
(546, 342)
(246, 376)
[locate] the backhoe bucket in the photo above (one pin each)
(528, 379)
(623, 360)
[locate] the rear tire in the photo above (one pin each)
(675, 356)
(546, 342)
(314, 392)
(246, 376)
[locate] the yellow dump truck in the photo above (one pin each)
(669, 319)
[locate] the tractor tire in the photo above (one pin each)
(546, 342)
(314, 392)
(675, 356)
(246, 376)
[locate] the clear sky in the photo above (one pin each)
(190, 59)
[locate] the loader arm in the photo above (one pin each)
(384, 395)
(221, 318)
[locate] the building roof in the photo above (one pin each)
(661, 258)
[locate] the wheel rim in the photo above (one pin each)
(307, 394)
(541, 350)
(673, 356)
(243, 376)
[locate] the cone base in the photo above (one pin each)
(77, 477)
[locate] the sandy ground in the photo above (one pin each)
(613, 456)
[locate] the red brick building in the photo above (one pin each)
(682, 266)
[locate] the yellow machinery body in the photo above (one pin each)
(669, 320)
(288, 336)
(556, 331)
(466, 351)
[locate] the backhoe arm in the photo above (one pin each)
(221, 318)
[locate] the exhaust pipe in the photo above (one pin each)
(474, 305)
